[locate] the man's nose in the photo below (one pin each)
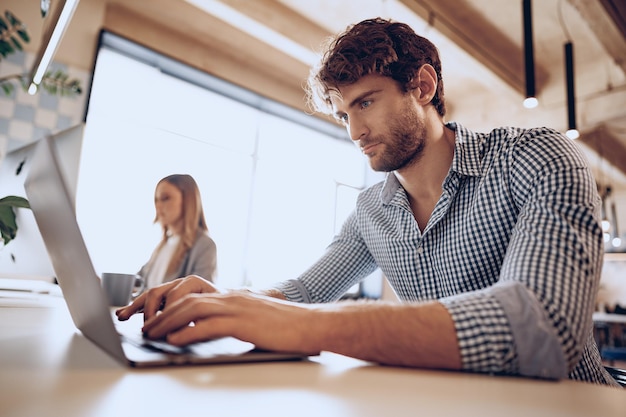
(357, 129)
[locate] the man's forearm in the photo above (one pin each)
(273, 292)
(416, 335)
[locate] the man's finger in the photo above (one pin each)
(136, 306)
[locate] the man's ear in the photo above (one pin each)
(425, 83)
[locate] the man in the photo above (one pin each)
(491, 240)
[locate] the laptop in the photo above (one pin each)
(54, 213)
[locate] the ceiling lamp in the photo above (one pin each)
(572, 131)
(53, 33)
(616, 241)
(529, 58)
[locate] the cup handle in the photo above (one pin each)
(139, 290)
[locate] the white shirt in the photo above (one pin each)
(161, 261)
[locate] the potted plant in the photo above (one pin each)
(8, 225)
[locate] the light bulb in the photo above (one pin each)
(572, 134)
(530, 102)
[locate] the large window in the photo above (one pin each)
(276, 184)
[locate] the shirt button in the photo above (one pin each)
(420, 250)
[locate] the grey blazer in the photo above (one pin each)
(200, 260)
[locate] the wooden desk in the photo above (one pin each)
(47, 368)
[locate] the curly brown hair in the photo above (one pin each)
(373, 46)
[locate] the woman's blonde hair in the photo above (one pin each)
(193, 217)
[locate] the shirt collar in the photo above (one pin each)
(467, 151)
(466, 160)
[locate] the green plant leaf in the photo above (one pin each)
(53, 83)
(16, 44)
(9, 26)
(8, 225)
(7, 219)
(14, 201)
(5, 48)
(24, 35)
(7, 88)
(13, 21)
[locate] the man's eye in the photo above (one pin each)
(343, 118)
(365, 104)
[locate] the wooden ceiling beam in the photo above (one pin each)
(210, 45)
(606, 146)
(283, 20)
(604, 24)
(472, 32)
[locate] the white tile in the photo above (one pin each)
(7, 107)
(45, 118)
(4, 142)
(10, 68)
(20, 130)
(72, 107)
(29, 59)
(23, 97)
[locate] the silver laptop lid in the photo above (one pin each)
(53, 209)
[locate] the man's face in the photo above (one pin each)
(383, 121)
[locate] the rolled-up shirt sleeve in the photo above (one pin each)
(504, 330)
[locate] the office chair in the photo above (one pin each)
(618, 374)
(613, 353)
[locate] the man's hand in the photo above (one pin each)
(156, 299)
(266, 322)
(194, 310)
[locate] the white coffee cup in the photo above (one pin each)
(120, 288)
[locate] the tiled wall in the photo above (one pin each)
(24, 118)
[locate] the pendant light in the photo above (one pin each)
(568, 48)
(51, 39)
(529, 55)
(572, 131)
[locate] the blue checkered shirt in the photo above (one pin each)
(513, 250)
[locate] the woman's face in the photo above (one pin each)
(168, 202)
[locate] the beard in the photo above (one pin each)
(403, 145)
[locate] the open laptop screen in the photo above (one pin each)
(53, 207)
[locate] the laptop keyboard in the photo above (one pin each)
(130, 331)
(155, 345)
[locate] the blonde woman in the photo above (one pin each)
(186, 248)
